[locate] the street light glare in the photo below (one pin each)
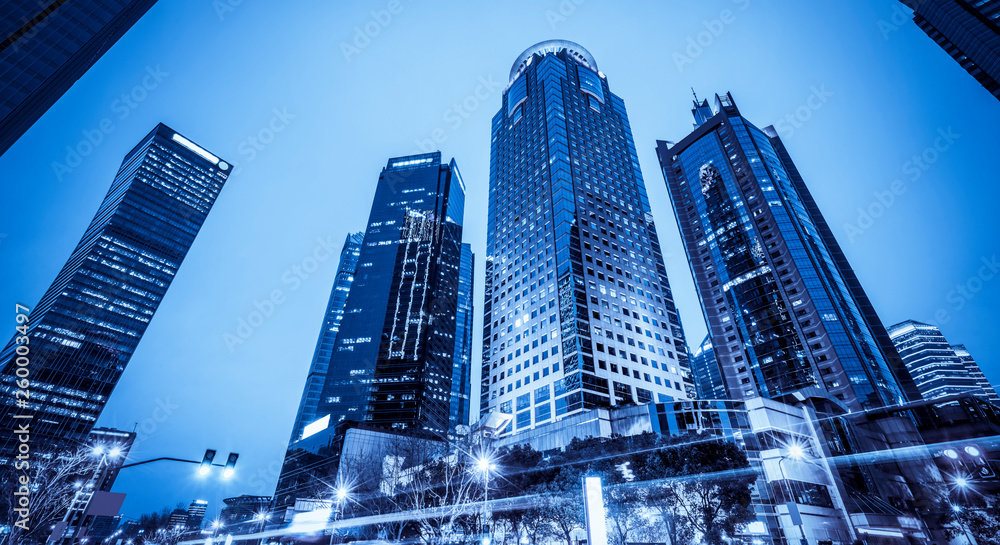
(961, 481)
(972, 451)
(341, 493)
(956, 508)
(795, 451)
(115, 452)
(951, 453)
(228, 472)
(98, 450)
(203, 470)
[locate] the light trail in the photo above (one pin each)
(450, 511)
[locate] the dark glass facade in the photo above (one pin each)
(328, 334)
(47, 46)
(787, 318)
(400, 359)
(968, 30)
(87, 324)
(461, 381)
(938, 368)
(707, 373)
(392, 362)
(578, 311)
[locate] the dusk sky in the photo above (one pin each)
(866, 89)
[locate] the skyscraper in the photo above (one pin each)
(787, 317)
(87, 324)
(971, 367)
(47, 46)
(328, 334)
(966, 30)
(578, 311)
(196, 513)
(938, 368)
(461, 380)
(393, 359)
(399, 363)
(707, 373)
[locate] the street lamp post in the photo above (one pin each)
(82, 497)
(262, 517)
(342, 496)
(485, 465)
(795, 452)
(965, 529)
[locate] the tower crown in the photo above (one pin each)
(575, 50)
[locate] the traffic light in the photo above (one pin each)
(230, 465)
(206, 462)
(970, 461)
(979, 465)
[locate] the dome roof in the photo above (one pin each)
(577, 51)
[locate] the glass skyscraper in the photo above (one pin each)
(938, 368)
(707, 375)
(578, 311)
(393, 360)
(87, 324)
(47, 46)
(461, 380)
(399, 364)
(969, 31)
(328, 334)
(787, 317)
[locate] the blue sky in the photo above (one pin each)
(338, 104)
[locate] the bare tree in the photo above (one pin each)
(53, 480)
(405, 474)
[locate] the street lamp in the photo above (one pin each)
(341, 495)
(485, 465)
(957, 509)
(262, 517)
(795, 452)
